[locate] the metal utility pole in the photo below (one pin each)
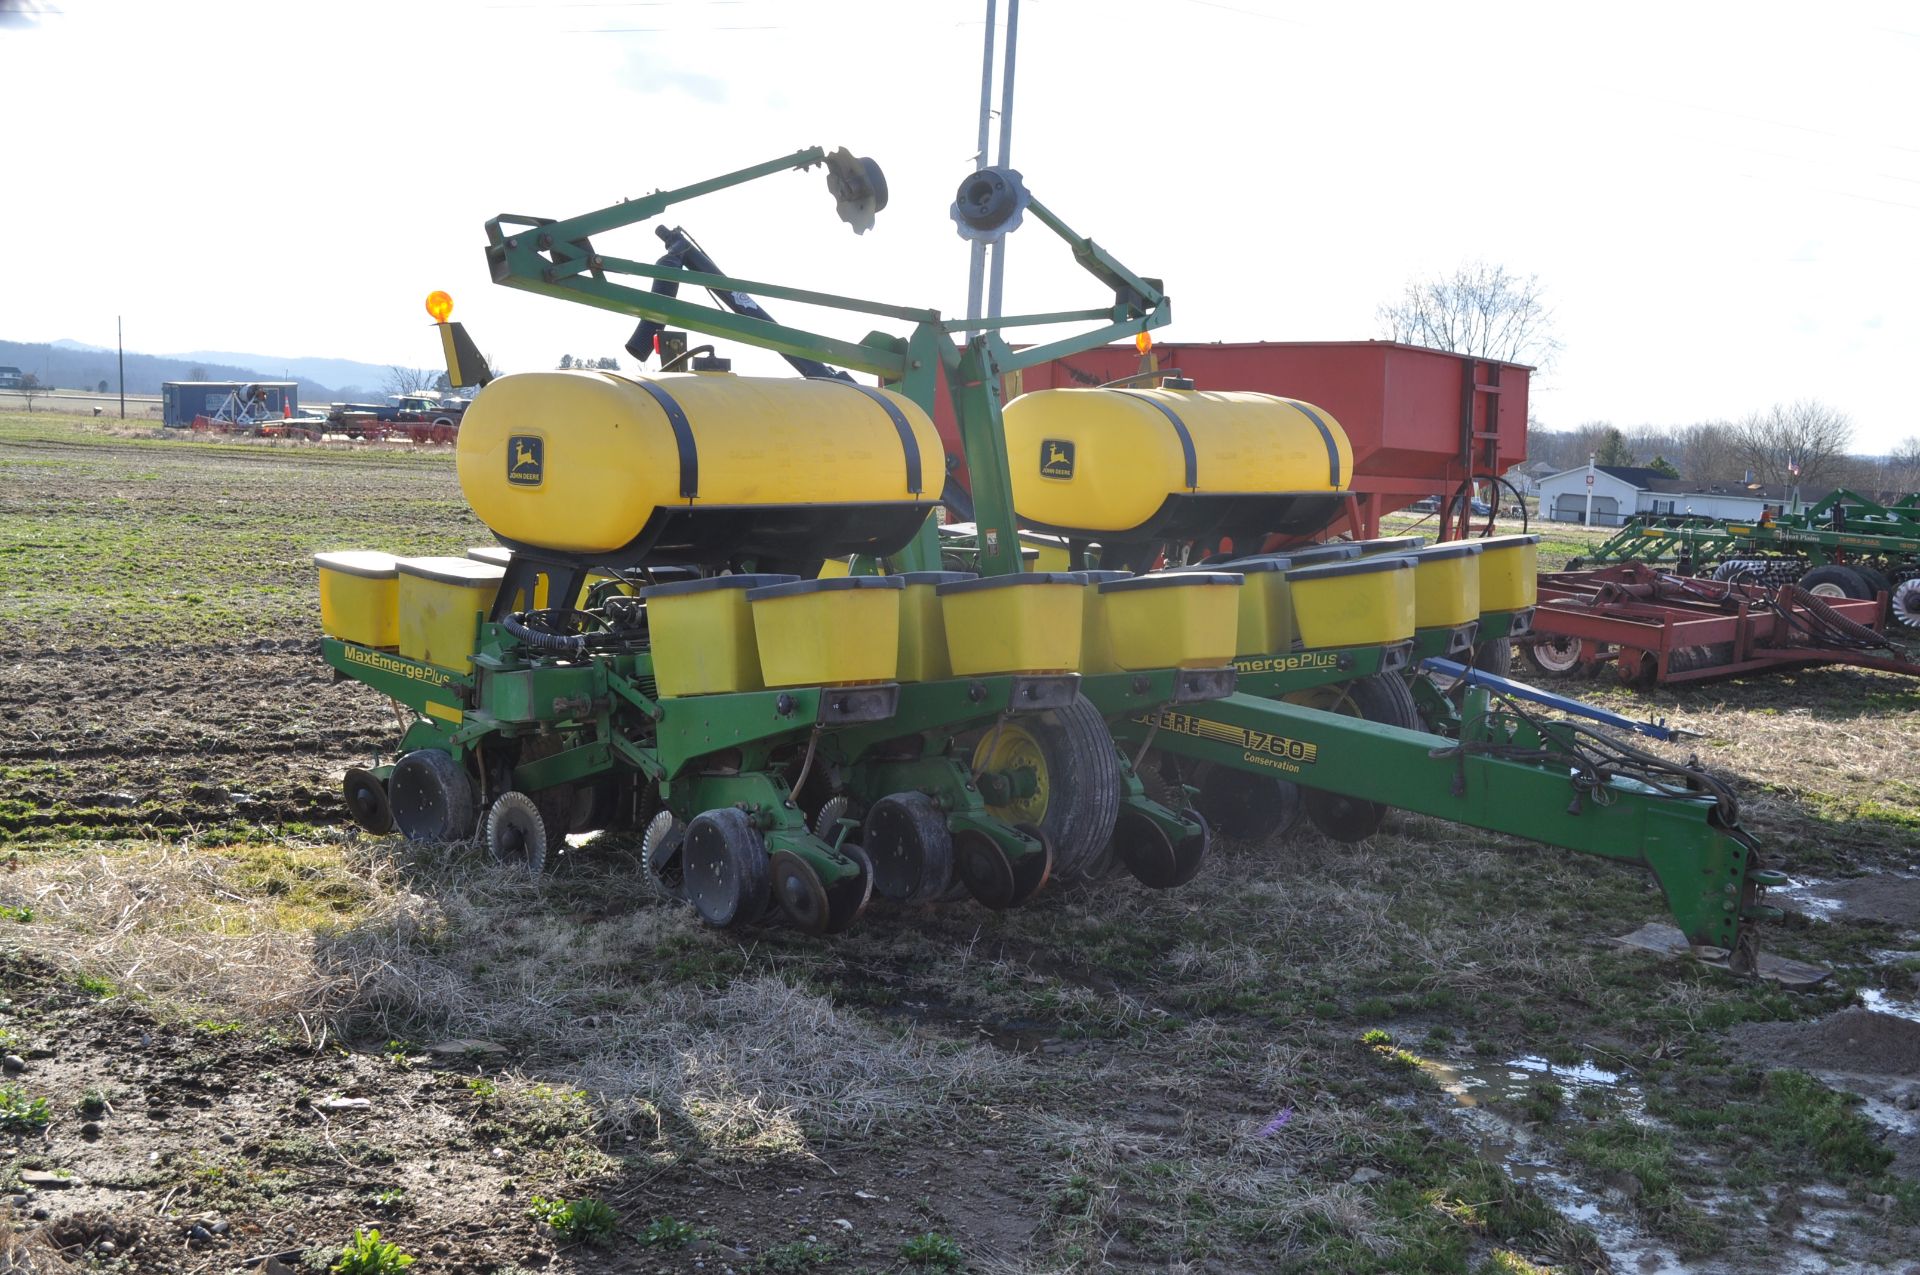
(120, 340)
(1006, 150)
(980, 247)
(976, 274)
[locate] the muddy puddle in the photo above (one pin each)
(1892, 898)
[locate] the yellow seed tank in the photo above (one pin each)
(697, 468)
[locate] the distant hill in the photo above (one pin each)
(343, 374)
(69, 365)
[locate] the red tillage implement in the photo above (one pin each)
(1655, 627)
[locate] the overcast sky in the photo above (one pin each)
(1722, 200)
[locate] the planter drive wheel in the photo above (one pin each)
(1067, 757)
(1343, 818)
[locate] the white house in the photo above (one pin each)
(1621, 492)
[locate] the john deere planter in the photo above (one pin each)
(720, 610)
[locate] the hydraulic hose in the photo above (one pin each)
(555, 643)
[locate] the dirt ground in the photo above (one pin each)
(255, 1031)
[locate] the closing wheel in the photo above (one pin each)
(366, 799)
(724, 863)
(1381, 698)
(985, 869)
(1246, 806)
(907, 840)
(1558, 655)
(516, 833)
(432, 797)
(1058, 771)
(797, 886)
(847, 898)
(661, 850)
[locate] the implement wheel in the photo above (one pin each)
(1245, 806)
(907, 841)
(1382, 698)
(366, 799)
(432, 797)
(516, 834)
(1064, 779)
(1835, 581)
(994, 878)
(1555, 656)
(725, 868)
(1495, 657)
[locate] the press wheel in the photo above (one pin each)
(1064, 759)
(724, 868)
(906, 839)
(797, 886)
(516, 834)
(366, 799)
(432, 797)
(1152, 855)
(985, 869)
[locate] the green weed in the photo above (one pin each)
(22, 1113)
(667, 1232)
(367, 1254)
(583, 1221)
(932, 1251)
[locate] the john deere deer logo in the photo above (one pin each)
(526, 460)
(1056, 458)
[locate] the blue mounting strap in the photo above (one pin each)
(1566, 704)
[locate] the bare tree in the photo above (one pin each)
(1789, 443)
(196, 373)
(1709, 452)
(409, 380)
(1903, 466)
(1479, 309)
(30, 389)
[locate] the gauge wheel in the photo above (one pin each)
(1066, 777)
(906, 840)
(724, 868)
(432, 797)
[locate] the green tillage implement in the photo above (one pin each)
(1503, 770)
(1862, 530)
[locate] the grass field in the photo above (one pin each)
(246, 1030)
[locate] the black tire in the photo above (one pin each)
(432, 797)
(906, 840)
(724, 862)
(1878, 583)
(1561, 658)
(1495, 657)
(516, 833)
(1244, 806)
(1834, 580)
(1381, 698)
(1576, 564)
(1081, 774)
